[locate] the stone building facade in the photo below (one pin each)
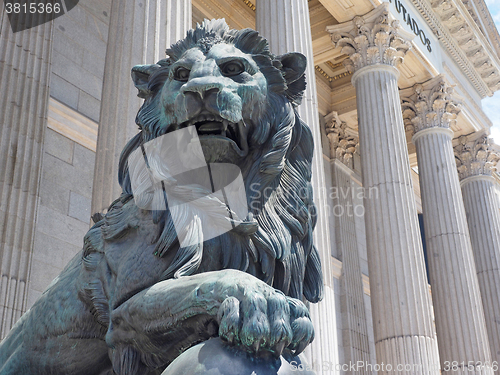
(403, 171)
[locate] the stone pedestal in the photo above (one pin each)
(402, 317)
(476, 159)
(24, 83)
(286, 25)
(460, 326)
(139, 33)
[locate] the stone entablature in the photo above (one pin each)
(461, 25)
(429, 105)
(343, 141)
(375, 38)
(479, 11)
(476, 157)
(452, 23)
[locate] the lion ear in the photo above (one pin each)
(140, 76)
(293, 68)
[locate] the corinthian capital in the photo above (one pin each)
(374, 38)
(343, 141)
(476, 157)
(428, 105)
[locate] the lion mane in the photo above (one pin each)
(275, 243)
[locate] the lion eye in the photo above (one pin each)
(232, 68)
(181, 74)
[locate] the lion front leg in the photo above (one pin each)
(156, 325)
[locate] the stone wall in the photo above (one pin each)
(63, 214)
(80, 39)
(63, 211)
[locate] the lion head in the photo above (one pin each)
(242, 101)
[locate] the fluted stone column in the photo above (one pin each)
(476, 159)
(343, 145)
(401, 306)
(139, 33)
(285, 24)
(24, 84)
(460, 325)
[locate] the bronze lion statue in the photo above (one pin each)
(137, 296)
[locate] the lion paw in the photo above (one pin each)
(265, 321)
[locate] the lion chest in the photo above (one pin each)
(130, 266)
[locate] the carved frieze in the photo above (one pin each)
(464, 27)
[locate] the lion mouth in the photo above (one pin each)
(209, 126)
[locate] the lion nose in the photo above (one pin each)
(201, 94)
(201, 87)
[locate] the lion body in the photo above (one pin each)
(134, 298)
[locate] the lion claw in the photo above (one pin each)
(230, 338)
(256, 346)
(279, 348)
(260, 318)
(300, 347)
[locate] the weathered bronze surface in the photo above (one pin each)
(151, 280)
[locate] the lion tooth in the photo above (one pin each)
(225, 124)
(242, 132)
